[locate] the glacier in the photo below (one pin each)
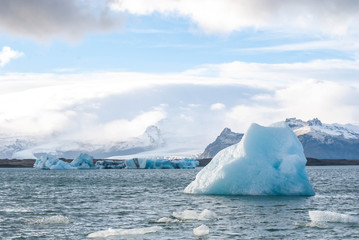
(268, 161)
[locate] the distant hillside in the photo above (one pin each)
(319, 140)
(225, 139)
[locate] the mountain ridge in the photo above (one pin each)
(319, 140)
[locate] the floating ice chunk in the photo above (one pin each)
(268, 161)
(207, 215)
(58, 219)
(83, 161)
(121, 232)
(186, 215)
(200, 231)
(193, 215)
(167, 220)
(327, 216)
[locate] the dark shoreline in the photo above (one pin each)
(29, 163)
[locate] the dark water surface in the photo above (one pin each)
(36, 204)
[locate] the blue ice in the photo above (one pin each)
(48, 162)
(268, 161)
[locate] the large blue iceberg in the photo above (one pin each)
(83, 161)
(268, 161)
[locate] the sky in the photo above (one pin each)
(102, 71)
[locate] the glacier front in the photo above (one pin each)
(268, 161)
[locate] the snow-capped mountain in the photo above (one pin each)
(326, 141)
(319, 140)
(22, 149)
(9, 146)
(225, 139)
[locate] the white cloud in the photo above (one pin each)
(331, 16)
(43, 19)
(7, 54)
(329, 101)
(119, 129)
(217, 106)
(113, 106)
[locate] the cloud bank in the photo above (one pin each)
(330, 16)
(43, 19)
(115, 106)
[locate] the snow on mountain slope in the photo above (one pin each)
(319, 130)
(20, 149)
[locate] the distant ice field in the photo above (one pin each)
(128, 204)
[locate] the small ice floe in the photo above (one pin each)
(193, 215)
(327, 216)
(58, 219)
(167, 220)
(15, 210)
(122, 232)
(207, 215)
(200, 231)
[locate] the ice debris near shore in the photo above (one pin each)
(268, 161)
(83, 161)
(193, 215)
(124, 232)
(327, 216)
(201, 231)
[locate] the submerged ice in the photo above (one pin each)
(268, 161)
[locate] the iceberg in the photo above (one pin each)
(268, 161)
(110, 164)
(201, 231)
(205, 215)
(123, 232)
(161, 163)
(83, 161)
(49, 162)
(51, 220)
(327, 216)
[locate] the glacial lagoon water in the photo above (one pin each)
(38, 204)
